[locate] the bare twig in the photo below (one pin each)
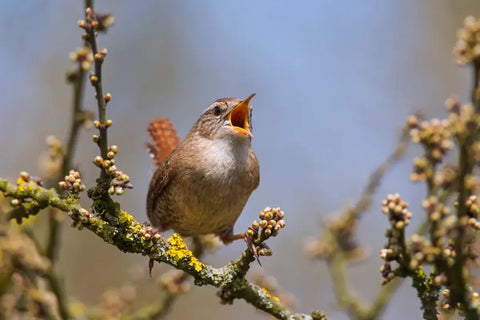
(96, 80)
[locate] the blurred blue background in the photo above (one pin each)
(334, 82)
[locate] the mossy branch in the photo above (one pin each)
(130, 236)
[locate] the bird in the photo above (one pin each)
(202, 183)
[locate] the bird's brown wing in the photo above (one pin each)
(158, 184)
(164, 139)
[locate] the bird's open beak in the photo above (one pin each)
(239, 117)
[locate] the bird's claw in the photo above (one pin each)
(150, 266)
(249, 240)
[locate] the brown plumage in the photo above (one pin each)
(203, 185)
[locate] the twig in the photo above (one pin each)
(97, 84)
(161, 308)
(155, 311)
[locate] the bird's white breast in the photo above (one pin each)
(230, 155)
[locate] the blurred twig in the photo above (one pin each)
(374, 180)
(340, 245)
(77, 119)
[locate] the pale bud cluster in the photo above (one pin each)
(83, 56)
(99, 125)
(421, 250)
(462, 119)
(120, 180)
(445, 177)
(397, 211)
(473, 211)
(467, 47)
(448, 305)
(117, 302)
(271, 221)
(72, 182)
(80, 217)
(434, 135)
(419, 169)
(174, 281)
(148, 233)
(97, 21)
(436, 211)
(25, 176)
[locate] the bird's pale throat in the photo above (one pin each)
(239, 116)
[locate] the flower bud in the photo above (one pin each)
(24, 175)
(98, 160)
(263, 223)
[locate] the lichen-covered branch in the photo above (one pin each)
(130, 236)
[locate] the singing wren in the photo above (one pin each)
(204, 183)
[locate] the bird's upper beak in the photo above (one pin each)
(239, 117)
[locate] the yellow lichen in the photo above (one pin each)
(125, 217)
(197, 265)
(136, 228)
(31, 185)
(270, 295)
(20, 184)
(178, 250)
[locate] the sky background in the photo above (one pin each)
(334, 83)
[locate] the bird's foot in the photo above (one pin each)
(150, 266)
(249, 238)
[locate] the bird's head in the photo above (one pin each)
(226, 118)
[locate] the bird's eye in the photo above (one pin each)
(216, 111)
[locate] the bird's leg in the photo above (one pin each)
(227, 236)
(227, 239)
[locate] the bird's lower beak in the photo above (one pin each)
(239, 117)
